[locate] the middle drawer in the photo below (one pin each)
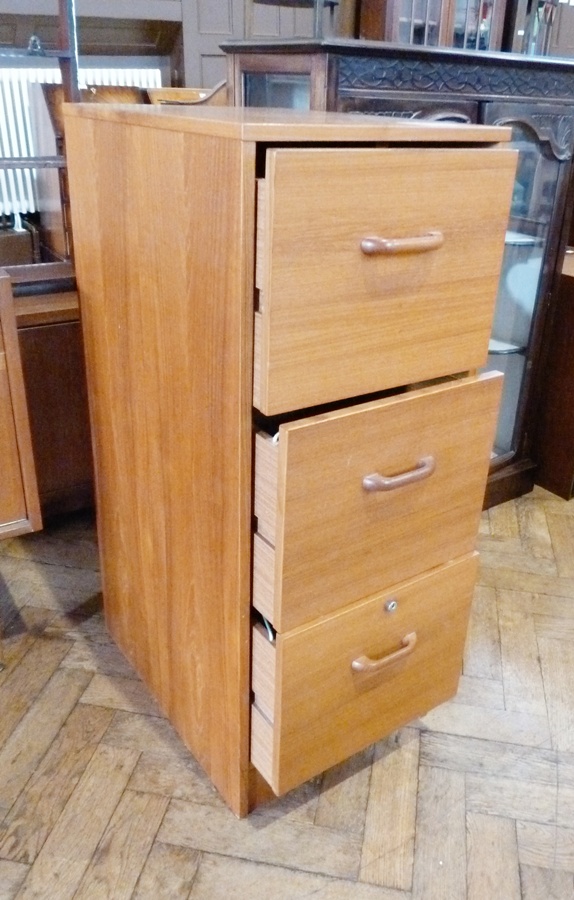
(349, 502)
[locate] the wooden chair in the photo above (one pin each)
(170, 96)
(317, 6)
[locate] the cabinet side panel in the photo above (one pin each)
(54, 375)
(554, 437)
(19, 503)
(12, 501)
(164, 257)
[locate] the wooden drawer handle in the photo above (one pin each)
(371, 666)
(375, 246)
(423, 469)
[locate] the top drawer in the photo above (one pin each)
(342, 315)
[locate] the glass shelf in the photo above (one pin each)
(503, 348)
(514, 323)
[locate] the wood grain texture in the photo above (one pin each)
(11, 877)
(482, 654)
(27, 744)
(440, 864)
(169, 360)
(287, 848)
(40, 803)
(124, 846)
(342, 802)
(347, 711)
(389, 836)
(492, 855)
(66, 854)
(167, 312)
(336, 543)
(325, 300)
(21, 687)
(518, 639)
(168, 870)
(54, 375)
(46, 309)
(19, 502)
(320, 850)
(13, 504)
(287, 125)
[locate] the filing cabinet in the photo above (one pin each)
(291, 432)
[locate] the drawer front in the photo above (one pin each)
(339, 316)
(326, 691)
(325, 538)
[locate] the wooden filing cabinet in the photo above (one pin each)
(283, 336)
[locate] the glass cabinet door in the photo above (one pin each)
(280, 90)
(476, 25)
(529, 243)
(468, 24)
(418, 22)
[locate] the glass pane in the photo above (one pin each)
(419, 22)
(512, 366)
(472, 24)
(519, 289)
(540, 21)
(277, 90)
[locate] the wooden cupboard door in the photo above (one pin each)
(55, 378)
(364, 255)
(327, 690)
(204, 26)
(207, 24)
(19, 504)
(329, 534)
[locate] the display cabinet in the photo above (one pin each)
(435, 84)
(529, 262)
(468, 24)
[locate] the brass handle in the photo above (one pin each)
(376, 246)
(371, 666)
(423, 469)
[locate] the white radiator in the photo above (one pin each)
(18, 186)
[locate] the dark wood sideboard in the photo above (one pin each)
(554, 435)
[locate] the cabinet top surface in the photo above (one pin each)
(255, 124)
(339, 46)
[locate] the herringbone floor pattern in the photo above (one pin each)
(99, 799)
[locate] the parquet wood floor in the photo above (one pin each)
(99, 799)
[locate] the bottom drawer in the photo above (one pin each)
(326, 690)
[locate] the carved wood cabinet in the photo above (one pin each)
(282, 394)
(534, 97)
